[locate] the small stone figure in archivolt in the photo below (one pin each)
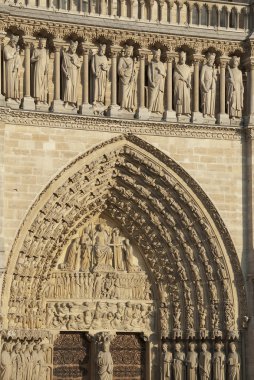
(70, 67)
(235, 88)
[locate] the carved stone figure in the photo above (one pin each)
(40, 59)
(127, 80)
(235, 89)
(6, 362)
(156, 77)
(70, 67)
(72, 255)
(208, 79)
(100, 70)
(167, 359)
(205, 358)
(118, 252)
(179, 363)
(233, 363)
(218, 363)
(182, 86)
(105, 362)
(12, 69)
(103, 252)
(86, 250)
(192, 363)
(129, 257)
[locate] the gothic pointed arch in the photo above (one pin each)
(195, 285)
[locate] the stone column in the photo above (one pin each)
(85, 108)
(170, 114)
(163, 11)
(142, 10)
(223, 117)
(2, 97)
(142, 112)
(251, 91)
(57, 104)
(197, 116)
(28, 102)
(114, 107)
(123, 8)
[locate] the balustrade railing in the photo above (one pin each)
(209, 14)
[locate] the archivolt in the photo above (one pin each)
(181, 235)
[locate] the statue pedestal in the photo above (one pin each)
(249, 120)
(143, 113)
(183, 119)
(223, 118)
(113, 110)
(197, 117)
(57, 106)
(86, 109)
(170, 116)
(41, 107)
(15, 105)
(2, 101)
(28, 103)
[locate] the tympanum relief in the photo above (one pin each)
(98, 284)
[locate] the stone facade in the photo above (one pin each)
(126, 190)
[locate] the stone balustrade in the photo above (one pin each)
(209, 14)
(126, 81)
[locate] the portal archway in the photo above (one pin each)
(123, 240)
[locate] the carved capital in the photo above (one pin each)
(171, 56)
(86, 48)
(58, 44)
(115, 50)
(143, 53)
(224, 59)
(29, 41)
(197, 58)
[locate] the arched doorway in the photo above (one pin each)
(122, 242)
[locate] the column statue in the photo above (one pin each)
(70, 67)
(156, 78)
(233, 363)
(100, 70)
(208, 81)
(182, 86)
(218, 363)
(6, 362)
(167, 359)
(179, 363)
(235, 89)
(127, 80)
(205, 358)
(192, 362)
(12, 69)
(40, 59)
(105, 362)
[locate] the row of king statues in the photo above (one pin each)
(128, 70)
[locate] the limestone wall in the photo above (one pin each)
(33, 155)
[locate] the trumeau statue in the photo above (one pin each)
(167, 359)
(105, 362)
(233, 362)
(127, 80)
(235, 89)
(218, 363)
(40, 59)
(208, 81)
(156, 78)
(182, 86)
(179, 363)
(205, 358)
(192, 362)
(70, 67)
(100, 70)
(12, 69)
